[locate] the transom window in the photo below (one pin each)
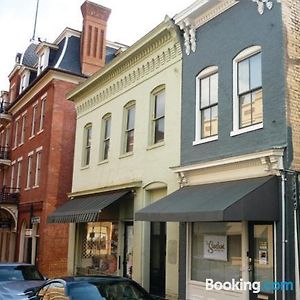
(106, 136)
(158, 120)
(250, 91)
(87, 140)
(207, 120)
(129, 128)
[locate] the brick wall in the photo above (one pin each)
(291, 18)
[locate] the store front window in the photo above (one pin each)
(216, 251)
(99, 248)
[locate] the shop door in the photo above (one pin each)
(128, 250)
(261, 259)
(158, 258)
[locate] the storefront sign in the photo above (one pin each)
(35, 220)
(215, 247)
(28, 232)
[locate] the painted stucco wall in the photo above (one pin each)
(148, 164)
(218, 42)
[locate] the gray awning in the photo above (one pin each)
(250, 200)
(85, 208)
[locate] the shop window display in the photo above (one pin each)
(216, 251)
(99, 248)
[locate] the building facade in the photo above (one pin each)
(238, 205)
(127, 137)
(37, 139)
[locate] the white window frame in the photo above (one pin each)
(19, 170)
(130, 105)
(42, 115)
(86, 147)
(24, 80)
(37, 176)
(203, 74)
(16, 133)
(246, 53)
(105, 139)
(155, 92)
(34, 113)
(23, 129)
(29, 170)
(12, 177)
(43, 60)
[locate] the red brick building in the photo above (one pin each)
(37, 127)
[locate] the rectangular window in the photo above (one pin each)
(87, 145)
(129, 130)
(158, 121)
(42, 116)
(106, 137)
(222, 265)
(16, 134)
(209, 106)
(37, 169)
(23, 130)
(34, 115)
(41, 63)
(12, 178)
(29, 171)
(19, 169)
(250, 91)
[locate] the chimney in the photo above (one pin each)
(93, 39)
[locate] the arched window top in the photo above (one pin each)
(207, 71)
(247, 52)
(158, 89)
(129, 104)
(88, 125)
(106, 116)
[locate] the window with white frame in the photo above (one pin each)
(158, 115)
(12, 178)
(43, 60)
(42, 116)
(23, 129)
(87, 141)
(207, 120)
(37, 169)
(34, 116)
(29, 170)
(16, 133)
(24, 80)
(106, 131)
(129, 127)
(19, 170)
(247, 90)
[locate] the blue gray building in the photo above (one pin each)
(238, 201)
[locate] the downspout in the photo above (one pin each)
(283, 230)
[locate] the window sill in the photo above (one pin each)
(21, 144)
(125, 155)
(206, 140)
(102, 162)
(157, 145)
(27, 189)
(85, 167)
(246, 129)
(31, 137)
(14, 147)
(35, 186)
(40, 131)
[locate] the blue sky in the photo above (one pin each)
(129, 21)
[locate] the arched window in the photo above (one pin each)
(207, 98)
(105, 137)
(129, 125)
(87, 141)
(247, 91)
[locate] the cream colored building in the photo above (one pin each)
(127, 138)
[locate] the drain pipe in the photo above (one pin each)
(283, 230)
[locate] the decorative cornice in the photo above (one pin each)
(160, 54)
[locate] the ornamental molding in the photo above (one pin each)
(159, 55)
(13, 211)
